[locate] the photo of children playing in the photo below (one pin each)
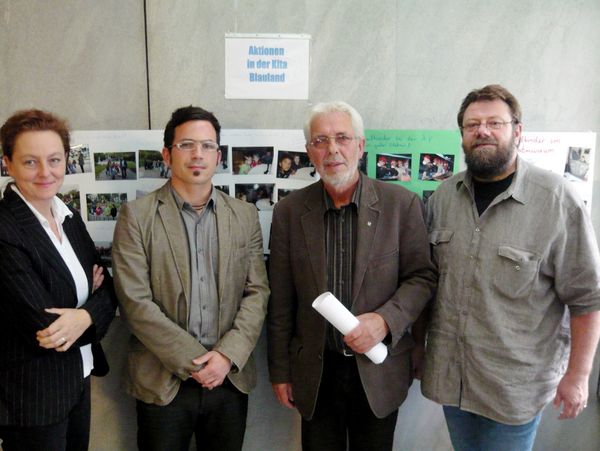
(151, 165)
(104, 206)
(436, 166)
(70, 196)
(393, 167)
(259, 194)
(115, 166)
(252, 160)
(78, 161)
(294, 165)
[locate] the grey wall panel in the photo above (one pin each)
(82, 59)
(349, 57)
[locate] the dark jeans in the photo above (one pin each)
(72, 434)
(343, 418)
(217, 417)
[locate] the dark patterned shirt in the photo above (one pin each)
(340, 247)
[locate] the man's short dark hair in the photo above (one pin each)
(489, 93)
(186, 114)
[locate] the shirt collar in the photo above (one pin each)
(182, 204)
(59, 209)
(517, 189)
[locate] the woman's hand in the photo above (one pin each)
(97, 277)
(66, 329)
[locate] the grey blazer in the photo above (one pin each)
(393, 276)
(152, 279)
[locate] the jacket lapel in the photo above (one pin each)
(223, 214)
(314, 234)
(176, 236)
(40, 242)
(368, 221)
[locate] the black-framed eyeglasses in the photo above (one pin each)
(189, 145)
(322, 142)
(472, 127)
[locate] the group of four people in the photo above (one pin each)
(490, 294)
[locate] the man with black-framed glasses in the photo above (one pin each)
(191, 281)
(519, 266)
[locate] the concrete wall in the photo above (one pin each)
(402, 63)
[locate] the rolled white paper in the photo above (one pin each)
(343, 320)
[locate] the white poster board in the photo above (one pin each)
(570, 154)
(99, 188)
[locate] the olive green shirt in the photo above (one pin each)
(498, 341)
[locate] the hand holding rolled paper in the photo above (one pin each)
(344, 321)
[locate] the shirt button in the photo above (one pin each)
(477, 229)
(201, 279)
(517, 268)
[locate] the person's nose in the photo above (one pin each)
(332, 146)
(44, 169)
(483, 130)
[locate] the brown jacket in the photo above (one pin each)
(393, 276)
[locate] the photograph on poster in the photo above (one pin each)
(104, 206)
(69, 194)
(294, 165)
(578, 163)
(151, 165)
(435, 166)
(78, 161)
(281, 193)
(252, 160)
(223, 166)
(104, 248)
(393, 167)
(259, 194)
(223, 188)
(115, 166)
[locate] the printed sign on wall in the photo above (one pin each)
(259, 66)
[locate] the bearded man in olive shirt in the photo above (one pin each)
(515, 321)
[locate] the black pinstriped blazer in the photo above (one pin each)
(39, 386)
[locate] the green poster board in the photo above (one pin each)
(416, 159)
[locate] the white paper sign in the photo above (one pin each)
(266, 66)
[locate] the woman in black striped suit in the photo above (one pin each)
(56, 302)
